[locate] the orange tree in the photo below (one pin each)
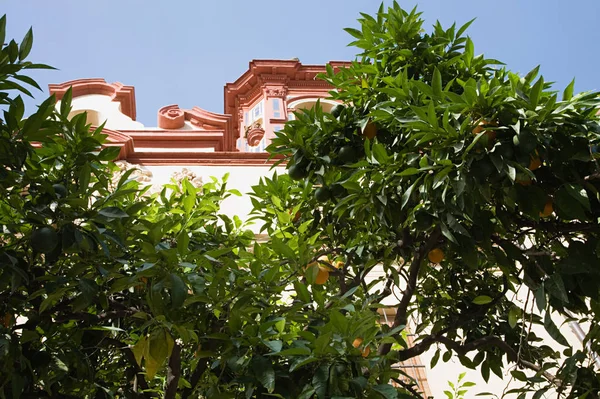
(466, 183)
(109, 292)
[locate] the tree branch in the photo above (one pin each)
(401, 317)
(195, 378)
(491, 340)
(173, 373)
(141, 380)
(409, 388)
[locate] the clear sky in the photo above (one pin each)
(183, 52)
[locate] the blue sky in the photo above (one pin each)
(183, 52)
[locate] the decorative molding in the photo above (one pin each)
(192, 177)
(277, 92)
(140, 174)
(254, 134)
(125, 95)
(119, 139)
(171, 117)
(206, 158)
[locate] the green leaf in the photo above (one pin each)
(482, 300)
(354, 32)
(386, 390)
(566, 207)
(469, 52)
(2, 30)
(109, 153)
(437, 82)
(540, 297)
(189, 200)
(264, 372)
(435, 358)
(302, 292)
(322, 342)
(406, 195)
(283, 249)
(295, 352)
(568, 92)
(463, 28)
(178, 290)
(302, 362)
(553, 330)
(26, 44)
(88, 288)
(275, 346)
(536, 91)
(139, 349)
(513, 316)
(113, 212)
(409, 172)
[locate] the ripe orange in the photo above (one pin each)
(366, 351)
(436, 255)
(491, 134)
(322, 276)
(7, 319)
(370, 131)
(524, 181)
(357, 342)
(296, 216)
(548, 209)
(535, 162)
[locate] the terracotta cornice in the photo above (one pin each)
(125, 95)
(203, 158)
(135, 144)
(119, 139)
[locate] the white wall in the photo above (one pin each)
(103, 109)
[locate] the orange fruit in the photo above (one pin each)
(357, 342)
(296, 216)
(548, 209)
(366, 351)
(370, 131)
(535, 162)
(322, 276)
(436, 255)
(491, 134)
(525, 182)
(7, 319)
(339, 264)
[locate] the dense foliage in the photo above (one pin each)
(469, 184)
(461, 182)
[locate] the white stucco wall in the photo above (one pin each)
(241, 178)
(101, 108)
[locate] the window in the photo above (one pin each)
(276, 108)
(256, 113)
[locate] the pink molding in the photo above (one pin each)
(171, 117)
(287, 80)
(275, 78)
(119, 139)
(255, 135)
(125, 95)
(232, 158)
